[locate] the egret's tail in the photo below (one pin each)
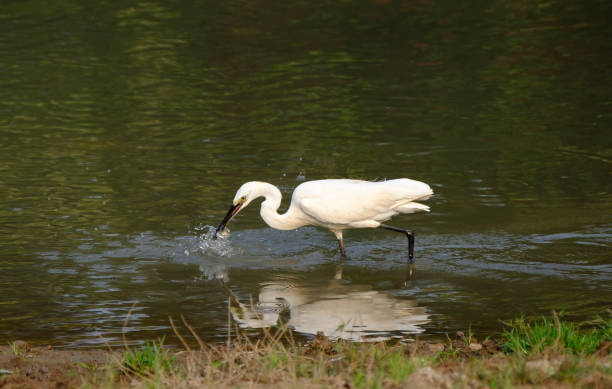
(419, 191)
(424, 192)
(411, 207)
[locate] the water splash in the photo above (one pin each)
(220, 246)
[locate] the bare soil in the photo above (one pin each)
(26, 367)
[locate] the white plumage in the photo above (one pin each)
(342, 204)
(336, 204)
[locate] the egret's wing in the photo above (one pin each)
(328, 213)
(347, 202)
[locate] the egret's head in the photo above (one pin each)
(243, 197)
(246, 194)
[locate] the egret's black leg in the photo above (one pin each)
(341, 245)
(409, 235)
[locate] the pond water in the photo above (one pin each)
(125, 130)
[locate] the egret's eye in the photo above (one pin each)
(243, 199)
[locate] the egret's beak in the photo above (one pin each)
(230, 214)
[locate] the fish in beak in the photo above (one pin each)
(230, 214)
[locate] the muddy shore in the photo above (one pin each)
(23, 366)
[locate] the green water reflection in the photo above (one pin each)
(125, 127)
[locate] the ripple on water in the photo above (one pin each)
(94, 286)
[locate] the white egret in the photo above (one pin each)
(336, 204)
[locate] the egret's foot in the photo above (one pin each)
(410, 236)
(342, 252)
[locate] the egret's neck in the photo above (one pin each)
(269, 209)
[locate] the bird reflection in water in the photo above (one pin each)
(339, 310)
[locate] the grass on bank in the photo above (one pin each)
(547, 352)
(525, 337)
(274, 361)
(148, 359)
